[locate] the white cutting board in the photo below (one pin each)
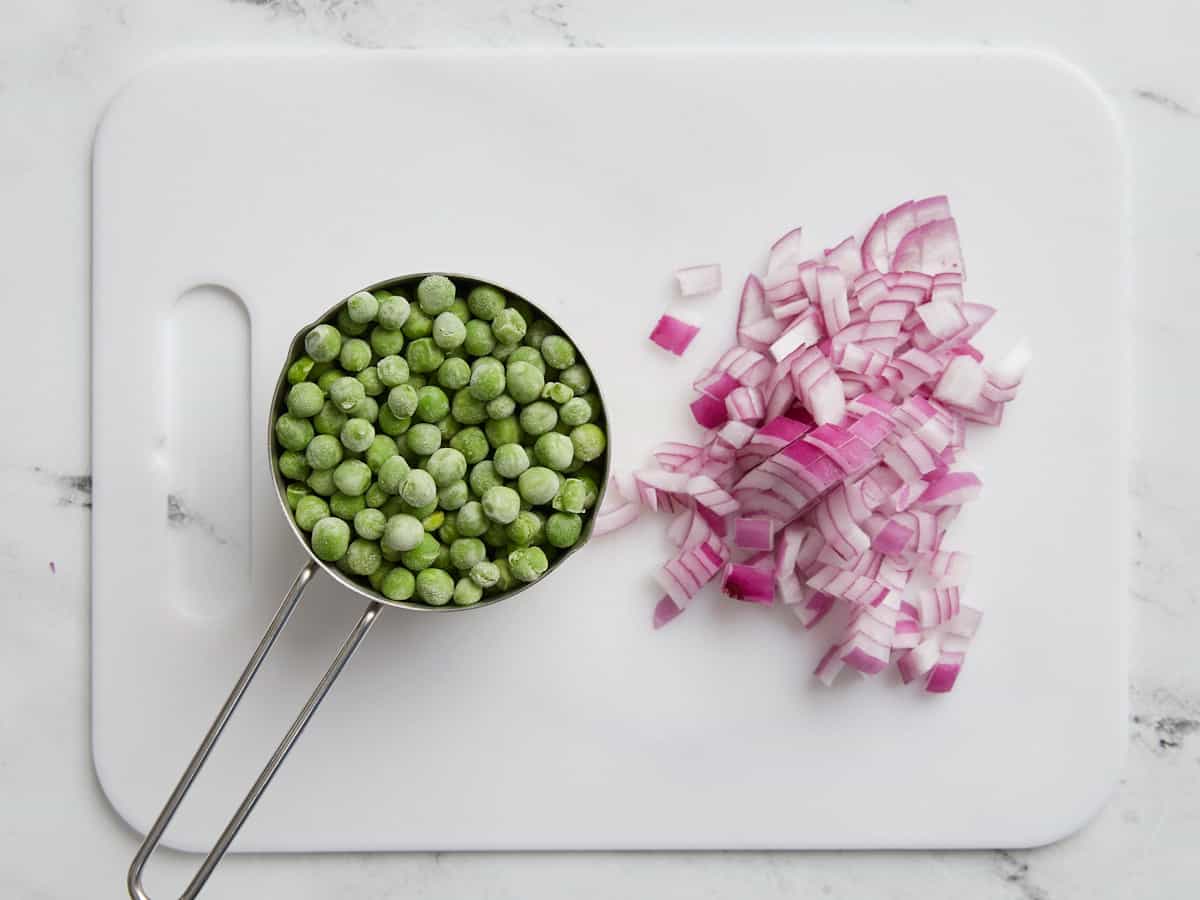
(561, 720)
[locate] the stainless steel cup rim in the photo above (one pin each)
(296, 348)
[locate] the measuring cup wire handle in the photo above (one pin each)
(282, 615)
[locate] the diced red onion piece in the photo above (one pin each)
(673, 334)
(698, 279)
(754, 533)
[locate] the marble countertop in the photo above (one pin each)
(60, 61)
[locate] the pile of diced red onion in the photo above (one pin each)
(829, 471)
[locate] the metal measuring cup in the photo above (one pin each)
(376, 603)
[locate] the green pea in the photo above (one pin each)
(485, 301)
(471, 443)
(375, 497)
(323, 452)
(366, 409)
(447, 466)
(386, 341)
(418, 325)
(538, 331)
(393, 313)
(487, 379)
(575, 411)
(501, 504)
(309, 511)
(467, 410)
(391, 424)
(305, 400)
(394, 507)
(402, 400)
(362, 307)
(449, 331)
(454, 374)
(589, 442)
(508, 326)
(323, 343)
(501, 407)
(432, 404)
(577, 378)
(434, 521)
(369, 379)
(355, 355)
(496, 536)
(527, 528)
(485, 573)
(352, 477)
(435, 586)
(459, 308)
(398, 584)
(557, 392)
(292, 464)
(424, 356)
(346, 393)
(293, 433)
(554, 451)
(563, 529)
(326, 379)
(375, 579)
(423, 439)
(347, 326)
(330, 538)
(528, 563)
(363, 557)
(558, 352)
(382, 449)
(421, 556)
(537, 485)
(479, 340)
(466, 552)
(538, 418)
(467, 592)
(393, 370)
(435, 294)
(503, 431)
(346, 506)
(572, 496)
(453, 495)
(295, 493)
(357, 435)
(525, 381)
(298, 371)
(510, 460)
(329, 420)
(370, 524)
(470, 520)
(321, 482)
(402, 533)
(483, 476)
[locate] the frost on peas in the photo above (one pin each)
(500, 504)
(393, 370)
(554, 451)
(363, 557)
(402, 533)
(375, 579)
(449, 428)
(293, 465)
(362, 307)
(323, 343)
(538, 418)
(466, 552)
(524, 382)
(323, 452)
(452, 496)
(466, 409)
(309, 511)
(424, 356)
(528, 563)
(293, 433)
(478, 340)
(347, 326)
(330, 538)
(504, 578)
(435, 586)
(530, 355)
(386, 341)
(432, 404)
(304, 400)
(576, 411)
(589, 442)
(563, 530)
(471, 443)
(572, 496)
(298, 371)
(454, 374)
(392, 473)
(357, 435)
(418, 325)
(496, 536)
(321, 482)
(398, 584)
(449, 331)
(537, 332)
(446, 465)
(352, 477)
(391, 424)
(423, 438)
(467, 592)
(435, 294)
(538, 485)
(418, 488)
(326, 379)
(487, 379)
(366, 409)
(393, 313)
(470, 520)
(483, 476)
(375, 497)
(577, 378)
(485, 574)
(501, 407)
(557, 392)
(382, 449)
(510, 460)
(423, 555)
(346, 393)
(296, 492)
(485, 301)
(558, 352)
(355, 355)
(369, 379)
(503, 431)
(526, 529)
(402, 400)
(508, 326)
(369, 524)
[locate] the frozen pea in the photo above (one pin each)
(496, 536)
(305, 400)
(538, 418)
(321, 482)
(448, 533)
(424, 356)
(470, 520)
(467, 592)
(393, 313)
(449, 331)
(471, 443)
(330, 538)
(310, 510)
(501, 407)
(432, 404)
(460, 309)
(404, 450)
(558, 352)
(357, 435)
(298, 371)
(433, 521)
(375, 497)
(571, 496)
(418, 325)
(366, 409)
(402, 400)
(466, 409)
(537, 332)
(323, 452)
(418, 488)
(528, 563)
(510, 460)
(575, 411)
(346, 507)
(508, 326)
(393, 370)
(562, 529)
(391, 424)
(423, 554)
(343, 566)
(347, 326)
(292, 464)
(423, 439)
(369, 379)
(323, 343)
(420, 512)
(577, 378)
(346, 392)
(435, 293)
(487, 378)
(375, 579)
(554, 451)
(398, 584)
(370, 524)
(381, 450)
(466, 552)
(402, 532)
(446, 465)
(503, 351)
(329, 420)
(454, 374)
(504, 578)
(485, 574)
(294, 493)
(501, 504)
(293, 433)
(435, 586)
(557, 392)
(527, 528)
(478, 340)
(394, 507)
(589, 442)
(326, 379)
(449, 428)
(355, 355)
(525, 381)
(529, 355)
(537, 485)
(485, 301)
(362, 307)
(363, 557)
(352, 477)
(503, 431)
(483, 476)
(453, 495)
